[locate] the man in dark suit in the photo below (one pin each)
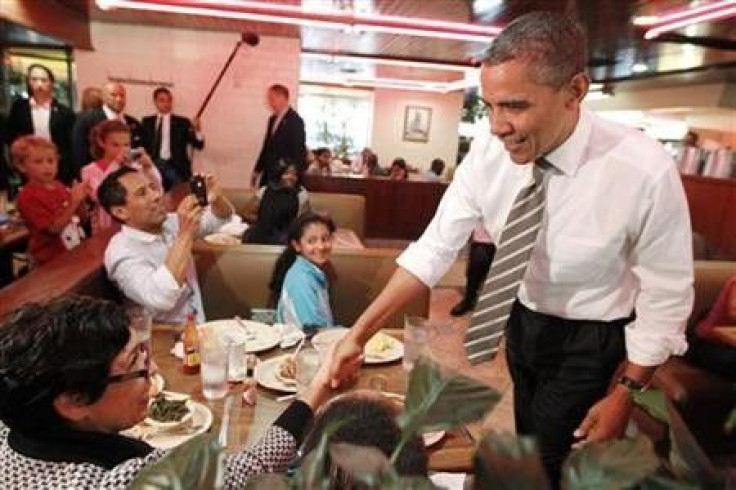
(44, 116)
(113, 107)
(166, 137)
(285, 137)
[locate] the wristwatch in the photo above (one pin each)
(632, 384)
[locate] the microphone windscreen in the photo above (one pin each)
(250, 38)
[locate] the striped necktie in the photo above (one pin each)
(516, 242)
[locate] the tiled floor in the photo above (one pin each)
(495, 373)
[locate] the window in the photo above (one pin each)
(336, 118)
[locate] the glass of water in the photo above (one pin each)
(416, 334)
(139, 322)
(237, 369)
(307, 365)
(214, 358)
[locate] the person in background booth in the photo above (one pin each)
(150, 258)
(277, 211)
(322, 162)
(399, 170)
(91, 99)
(167, 138)
(73, 376)
(42, 115)
(285, 138)
(436, 169)
(287, 175)
(53, 213)
(300, 282)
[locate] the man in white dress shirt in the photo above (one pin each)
(150, 258)
(614, 238)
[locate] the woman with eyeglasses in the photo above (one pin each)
(72, 377)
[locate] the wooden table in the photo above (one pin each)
(247, 424)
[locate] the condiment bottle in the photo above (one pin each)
(190, 339)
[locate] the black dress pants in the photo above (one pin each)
(560, 368)
(479, 263)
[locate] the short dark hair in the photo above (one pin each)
(64, 346)
(161, 90)
(279, 89)
(369, 422)
(111, 192)
(321, 151)
(437, 166)
(279, 207)
(551, 43)
(34, 66)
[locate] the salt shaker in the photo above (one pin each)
(250, 387)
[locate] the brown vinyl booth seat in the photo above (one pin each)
(235, 279)
(704, 400)
(346, 210)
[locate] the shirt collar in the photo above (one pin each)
(140, 235)
(35, 104)
(569, 155)
(110, 114)
(310, 267)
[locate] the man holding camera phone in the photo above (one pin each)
(150, 258)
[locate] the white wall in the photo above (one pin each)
(388, 127)
(236, 118)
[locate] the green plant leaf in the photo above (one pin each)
(654, 402)
(509, 462)
(610, 465)
(441, 401)
(364, 464)
(198, 463)
(268, 482)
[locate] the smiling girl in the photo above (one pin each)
(300, 282)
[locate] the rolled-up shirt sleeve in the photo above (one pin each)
(662, 260)
(431, 256)
(211, 223)
(148, 285)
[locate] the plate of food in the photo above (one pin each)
(258, 337)
(278, 374)
(380, 349)
(177, 426)
(222, 239)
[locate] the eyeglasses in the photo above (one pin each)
(121, 378)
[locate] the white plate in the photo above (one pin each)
(169, 395)
(162, 439)
(264, 337)
(266, 375)
(432, 438)
(331, 335)
(222, 239)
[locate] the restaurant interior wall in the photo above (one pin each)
(388, 126)
(188, 61)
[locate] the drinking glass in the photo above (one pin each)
(307, 365)
(139, 322)
(237, 369)
(214, 364)
(416, 333)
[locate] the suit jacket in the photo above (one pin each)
(82, 128)
(181, 134)
(288, 141)
(61, 123)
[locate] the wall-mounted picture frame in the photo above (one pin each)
(417, 123)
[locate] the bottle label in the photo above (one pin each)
(191, 358)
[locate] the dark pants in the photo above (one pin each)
(169, 176)
(560, 368)
(712, 356)
(479, 263)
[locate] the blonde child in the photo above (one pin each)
(51, 211)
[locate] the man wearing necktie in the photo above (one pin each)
(285, 138)
(167, 137)
(591, 283)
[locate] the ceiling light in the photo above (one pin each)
(353, 58)
(639, 67)
(676, 19)
(297, 15)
